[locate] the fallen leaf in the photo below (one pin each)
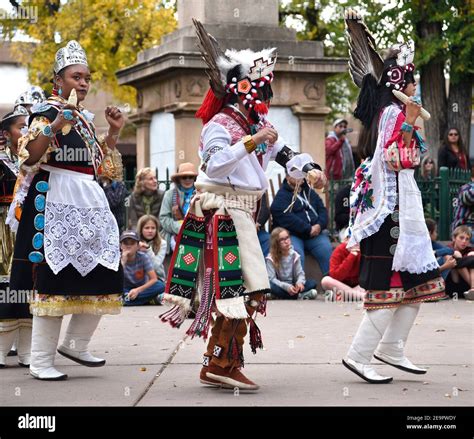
(346, 314)
(405, 390)
(425, 382)
(440, 330)
(142, 369)
(447, 395)
(300, 336)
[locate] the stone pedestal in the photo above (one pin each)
(170, 78)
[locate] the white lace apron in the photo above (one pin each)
(79, 227)
(414, 251)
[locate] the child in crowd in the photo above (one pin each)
(460, 277)
(287, 278)
(140, 282)
(343, 281)
(443, 253)
(152, 243)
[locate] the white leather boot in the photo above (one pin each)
(6, 341)
(78, 335)
(391, 347)
(365, 341)
(24, 343)
(44, 341)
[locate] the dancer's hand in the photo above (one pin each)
(115, 119)
(66, 116)
(412, 110)
(265, 135)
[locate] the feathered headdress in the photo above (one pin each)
(234, 72)
(367, 67)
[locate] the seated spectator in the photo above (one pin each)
(428, 168)
(116, 193)
(146, 198)
(141, 285)
(342, 284)
(306, 219)
(459, 276)
(438, 248)
(176, 202)
(342, 210)
(464, 206)
(285, 272)
(262, 218)
(152, 243)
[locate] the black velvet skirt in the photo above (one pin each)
(377, 253)
(26, 275)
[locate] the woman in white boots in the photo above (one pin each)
(15, 317)
(67, 249)
(398, 268)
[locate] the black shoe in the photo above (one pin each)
(12, 353)
(82, 362)
(418, 371)
(23, 364)
(365, 378)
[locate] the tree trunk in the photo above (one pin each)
(432, 81)
(433, 94)
(460, 108)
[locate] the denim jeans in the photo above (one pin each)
(145, 296)
(319, 247)
(283, 294)
(264, 239)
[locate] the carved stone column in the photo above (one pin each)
(142, 122)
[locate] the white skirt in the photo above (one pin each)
(79, 227)
(414, 252)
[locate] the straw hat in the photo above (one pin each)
(184, 169)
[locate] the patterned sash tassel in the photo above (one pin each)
(175, 316)
(255, 337)
(234, 353)
(262, 306)
(201, 323)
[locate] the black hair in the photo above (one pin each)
(431, 225)
(460, 141)
(373, 98)
(7, 124)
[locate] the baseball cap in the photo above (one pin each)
(338, 121)
(129, 234)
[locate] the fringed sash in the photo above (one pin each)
(231, 270)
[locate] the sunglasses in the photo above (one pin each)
(453, 134)
(189, 177)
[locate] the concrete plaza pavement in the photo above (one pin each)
(151, 364)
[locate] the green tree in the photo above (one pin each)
(111, 32)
